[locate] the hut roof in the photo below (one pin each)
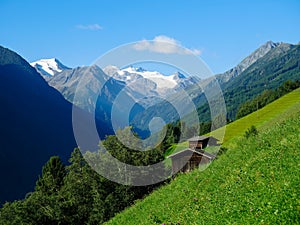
(201, 138)
(190, 151)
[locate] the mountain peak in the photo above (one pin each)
(178, 75)
(269, 43)
(248, 61)
(140, 69)
(158, 82)
(268, 46)
(49, 67)
(132, 69)
(110, 70)
(7, 56)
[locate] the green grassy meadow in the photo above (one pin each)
(273, 113)
(257, 181)
(265, 117)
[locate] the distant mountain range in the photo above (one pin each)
(146, 90)
(266, 68)
(140, 82)
(149, 82)
(138, 87)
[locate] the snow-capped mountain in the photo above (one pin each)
(135, 86)
(139, 78)
(48, 67)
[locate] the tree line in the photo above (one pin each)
(266, 97)
(76, 194)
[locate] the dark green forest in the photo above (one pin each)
(76, 194)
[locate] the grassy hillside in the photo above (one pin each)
(256, 182)
(273, 113)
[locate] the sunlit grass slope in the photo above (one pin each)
(273, 113)
(256, 182)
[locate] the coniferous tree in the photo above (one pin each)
(81, 190)
(53, 174)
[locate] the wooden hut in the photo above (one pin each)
(192, 157)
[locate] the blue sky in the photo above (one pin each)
(77, 33)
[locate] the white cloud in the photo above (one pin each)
(89, 27)
(165, 45)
